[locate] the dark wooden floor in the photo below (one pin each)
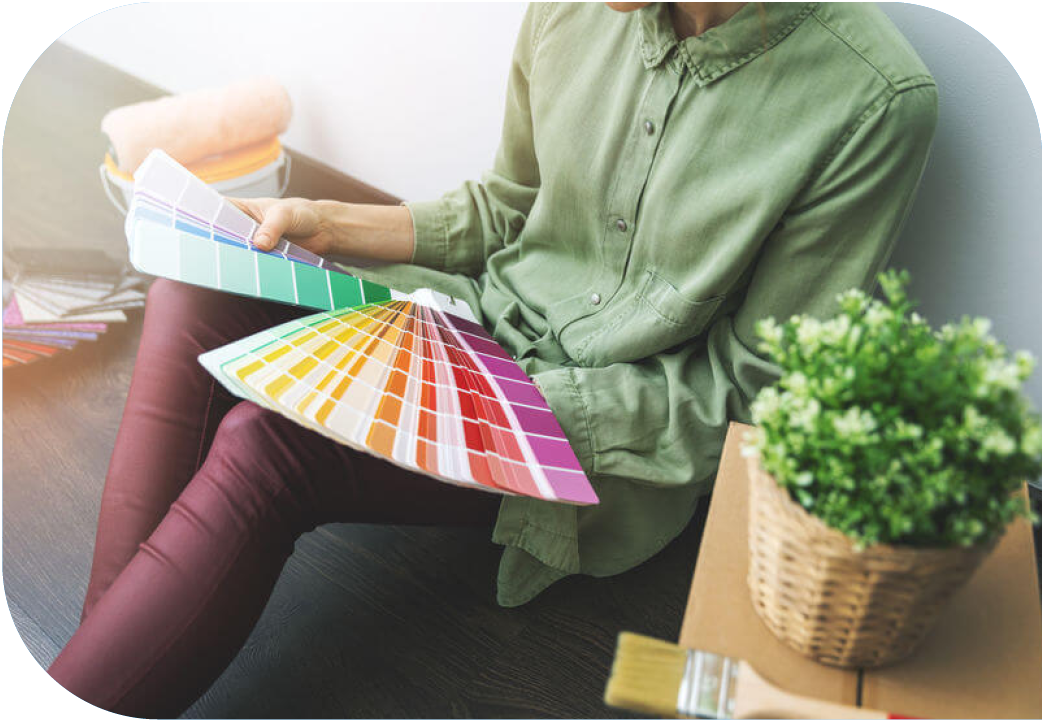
(366, 621)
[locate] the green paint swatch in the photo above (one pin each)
(238, 273)
(168, 252)
(347, 290)
(276, 279)
(156, 250)
(312, 286)
(375, 293)
(198, 262)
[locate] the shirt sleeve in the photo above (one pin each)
(662, 420)
(458, 231)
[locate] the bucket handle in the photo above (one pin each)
(285, 174)
(106, 183)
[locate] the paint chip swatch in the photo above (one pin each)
(410, 378)
(423, 388)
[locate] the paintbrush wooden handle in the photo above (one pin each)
(754, 697)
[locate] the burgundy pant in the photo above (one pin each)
(204, 499)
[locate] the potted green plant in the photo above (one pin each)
(886, 462)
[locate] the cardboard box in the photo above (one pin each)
(983, 658)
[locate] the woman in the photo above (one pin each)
(666, 178)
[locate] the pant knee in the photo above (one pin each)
(249, 436)
(249, 423)
(254, 459)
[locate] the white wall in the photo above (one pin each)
(972, 239)
(407, 97)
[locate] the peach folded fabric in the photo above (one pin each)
(197, 124)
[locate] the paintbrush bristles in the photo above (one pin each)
(646, 675)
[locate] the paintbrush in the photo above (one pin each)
(658, 678)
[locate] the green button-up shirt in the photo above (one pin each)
(650, 201)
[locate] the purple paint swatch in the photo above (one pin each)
(554, 453)
(467, 326)
(488, 347)
(570, 486)
(522, 392)
(502, 368)
(538, 422)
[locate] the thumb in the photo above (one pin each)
(277, 220)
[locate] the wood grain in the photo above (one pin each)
(720, 616)
(366, 621)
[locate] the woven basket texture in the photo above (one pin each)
(830, 602)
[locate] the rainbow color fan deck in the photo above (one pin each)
(411, 377)
(423, 388)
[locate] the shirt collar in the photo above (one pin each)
(721, 49)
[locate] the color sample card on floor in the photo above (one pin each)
(63, 303)
(68, 285)
(14, 319)
(33, 313)
(412, 378)
(48, 339)
(61, 297)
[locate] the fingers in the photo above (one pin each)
(254, 207)
(243, 205)
(277, 220)
(273, 216)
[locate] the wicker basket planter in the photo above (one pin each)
(832, 603)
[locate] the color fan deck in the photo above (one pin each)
(411, 378)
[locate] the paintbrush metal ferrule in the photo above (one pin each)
(707, 686)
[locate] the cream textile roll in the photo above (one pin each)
(197, 124)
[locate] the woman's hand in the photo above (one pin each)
(298, 219)
(376, 232)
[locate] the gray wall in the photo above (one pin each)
(971, 242)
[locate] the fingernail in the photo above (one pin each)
(261, 240)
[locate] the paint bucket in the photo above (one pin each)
(258, 170)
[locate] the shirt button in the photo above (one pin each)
(621, 225)
(649, 127)
(595, 299)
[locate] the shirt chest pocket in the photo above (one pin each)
(669, 307)
(657, 318)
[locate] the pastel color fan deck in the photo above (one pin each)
(180, 228)
(411, 378)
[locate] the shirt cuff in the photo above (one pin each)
(561, 389)
(430, 234)
(523, 576)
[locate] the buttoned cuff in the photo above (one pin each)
(430, 234)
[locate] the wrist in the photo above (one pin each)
(332, 220)
(381, 232)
